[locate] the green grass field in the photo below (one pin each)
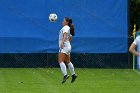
(15, 80)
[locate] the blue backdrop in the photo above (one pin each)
(101, 25)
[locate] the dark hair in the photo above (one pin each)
(69, 20)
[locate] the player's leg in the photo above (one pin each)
(61, 58)
(70, 65)
(71, 68)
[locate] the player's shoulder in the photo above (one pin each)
(66, 27)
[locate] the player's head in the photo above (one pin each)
(68, 21)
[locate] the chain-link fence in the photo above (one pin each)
(79, 60)
(114, 60)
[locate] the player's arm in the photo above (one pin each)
(70, 39)
(132, 50)
(63, 40)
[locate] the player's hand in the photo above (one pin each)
(62, 45)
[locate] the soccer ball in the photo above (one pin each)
(53, 17)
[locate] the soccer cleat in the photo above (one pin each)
(73, 78)
(65, 78)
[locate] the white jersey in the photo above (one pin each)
(65, 29)
(137, 43)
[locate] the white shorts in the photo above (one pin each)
(66, 50)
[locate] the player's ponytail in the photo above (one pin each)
(69, 20)
(72, 30)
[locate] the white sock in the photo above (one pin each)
(63, 68)
(71, 68)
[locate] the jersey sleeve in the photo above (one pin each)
(66, 29)
(135, 41)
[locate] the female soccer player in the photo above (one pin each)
(65, 37)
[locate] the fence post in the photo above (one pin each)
(134, 35)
